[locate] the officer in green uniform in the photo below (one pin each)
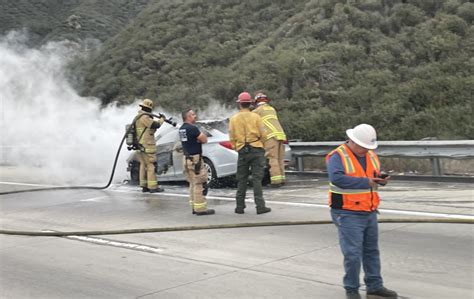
(246, 133)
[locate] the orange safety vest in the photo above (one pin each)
(366, 200)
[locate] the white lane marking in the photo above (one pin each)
(324, 206)
(295, 204)
(94, 199)
(118, 244)
(26, 184)
(430, 214)
(100, 241)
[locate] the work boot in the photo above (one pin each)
(383, 292)
(276, 185)
(263, 210)
(207, 212)
(145, 189)
(353, 295)
(239, 211)
(157, 190)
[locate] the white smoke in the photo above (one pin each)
(216, 111)
(50, 131)
(46, 126)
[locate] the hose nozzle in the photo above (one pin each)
(168, 120)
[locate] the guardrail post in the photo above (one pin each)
(436, 167)
(299, 163)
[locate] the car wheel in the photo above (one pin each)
(212, 180)
(134, 172)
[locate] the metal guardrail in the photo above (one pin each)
(427, 149)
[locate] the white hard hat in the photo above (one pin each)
(364, 135)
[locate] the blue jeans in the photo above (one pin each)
(358, 238)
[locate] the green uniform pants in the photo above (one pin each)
(250, 162)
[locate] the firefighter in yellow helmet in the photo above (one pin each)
(145, 131)
(274, 143)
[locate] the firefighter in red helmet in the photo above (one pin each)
(246, 133)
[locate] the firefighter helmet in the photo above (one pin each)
(261, 97)
(147, 103)
(244, 97)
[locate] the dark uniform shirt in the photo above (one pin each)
(188, 134)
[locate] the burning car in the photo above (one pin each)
(220, 159)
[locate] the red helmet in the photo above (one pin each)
(244, 97)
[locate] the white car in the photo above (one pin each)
(219, 159)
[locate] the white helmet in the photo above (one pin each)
(364, 135)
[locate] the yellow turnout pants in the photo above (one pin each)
(275, 153)
(197, 201)
(147, 170)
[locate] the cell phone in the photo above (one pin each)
(383, 175)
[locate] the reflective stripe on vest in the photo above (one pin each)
(139, 132)
(150, 150)
(366, 200)
(375, 161)
(270, 116)
(270, 120)
(348, 165)
(335, 189)
(279, 136)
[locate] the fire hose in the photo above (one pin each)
(168, 120)
(219, 226)
(194, 227)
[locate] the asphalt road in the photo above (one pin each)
(418, 260)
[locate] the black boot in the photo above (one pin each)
(383, 292)
(207, 212)
(239, 210)
(263, 210)
(145, 189)
(157, 190)
(353, 295)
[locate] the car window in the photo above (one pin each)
(205, 129)
(169, 137)
(220, 125)
(164, 130)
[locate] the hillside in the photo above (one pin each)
(404, 66)
(47, 20)
(177, 51)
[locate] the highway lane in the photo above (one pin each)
(419, 260)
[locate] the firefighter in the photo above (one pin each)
(246, 133)
(192, 140)
(354, 174)
(145, 131)
(274, 143)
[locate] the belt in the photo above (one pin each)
(191, 157)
